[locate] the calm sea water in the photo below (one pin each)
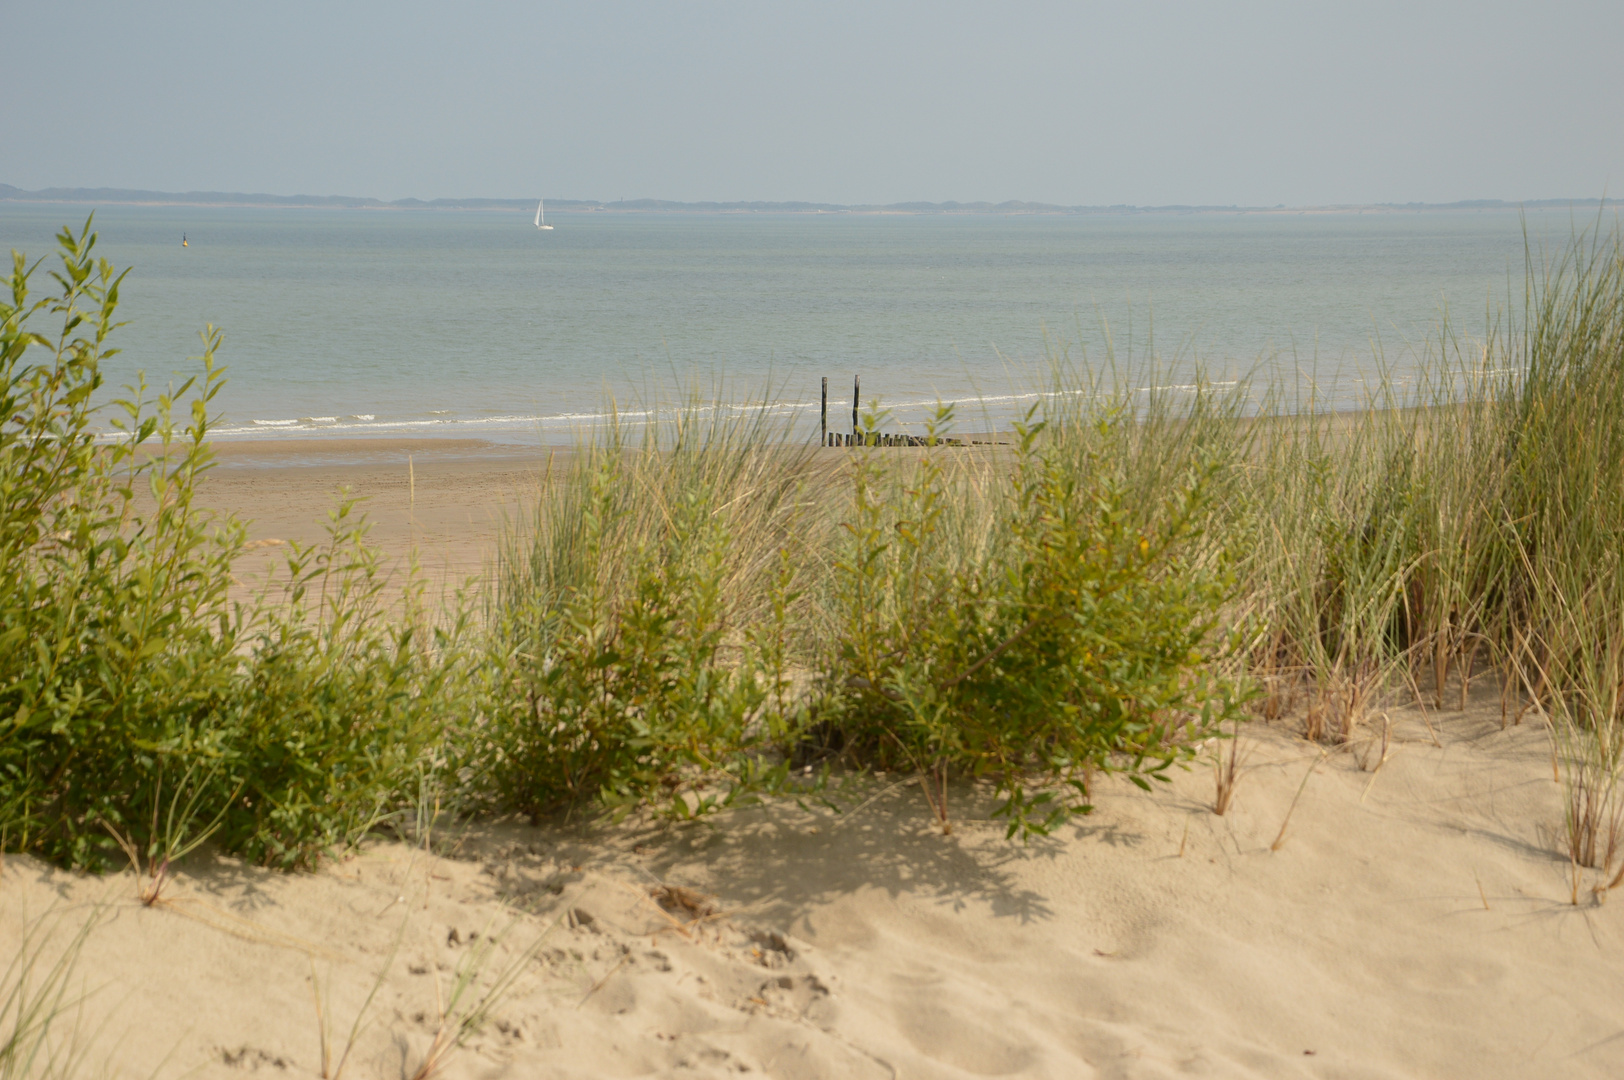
(476, 324)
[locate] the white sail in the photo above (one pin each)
(539, 224)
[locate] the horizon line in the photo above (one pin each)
(140, 197)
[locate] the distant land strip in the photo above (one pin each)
(129, 197)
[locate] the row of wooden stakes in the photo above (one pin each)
(858, 437)
(880, 438)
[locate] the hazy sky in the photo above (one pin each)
(1077, 103)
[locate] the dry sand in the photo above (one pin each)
(1415, 922)
(441, 501)
(442, 498)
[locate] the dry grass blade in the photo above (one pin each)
(601, 983)
(848, 815)
(246, 929)
(1226, 775)
(671, 901)
(331, 1070)
(1387, 743)
(469, 1005)
(1280, 837)
(37, 998)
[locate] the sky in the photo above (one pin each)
(1078, 103)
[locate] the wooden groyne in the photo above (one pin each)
(880, 438)
(857, 436)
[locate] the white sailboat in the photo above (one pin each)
(539, 225)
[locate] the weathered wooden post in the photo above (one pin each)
(856, 393)
(823, 421)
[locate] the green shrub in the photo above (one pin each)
(139, 708)
(1067, 642)
(342, 705)
(117, 644)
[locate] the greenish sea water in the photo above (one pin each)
(476, 324)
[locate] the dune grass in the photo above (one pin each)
(43, 1028)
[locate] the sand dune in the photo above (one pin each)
(1414, 922)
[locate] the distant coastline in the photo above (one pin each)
(132, 197)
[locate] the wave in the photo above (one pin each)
(909, 412)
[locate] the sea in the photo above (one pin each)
(440, 323)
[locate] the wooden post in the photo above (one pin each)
(823, 422)
(856, 394)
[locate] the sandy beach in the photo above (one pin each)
(1349, 917)
(442, 499)
(1414, 920)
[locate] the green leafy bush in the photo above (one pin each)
(343, 703)
(117, 645)
(1066, 642)
(139, 708)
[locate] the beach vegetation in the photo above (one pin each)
(642, 631)
(117, 644)
(697, 610)
(1049, 636)
(344, 702)
(141, 710)
(42, 1029)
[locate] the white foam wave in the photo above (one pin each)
(909, 412)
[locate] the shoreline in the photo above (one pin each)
(441, 503)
